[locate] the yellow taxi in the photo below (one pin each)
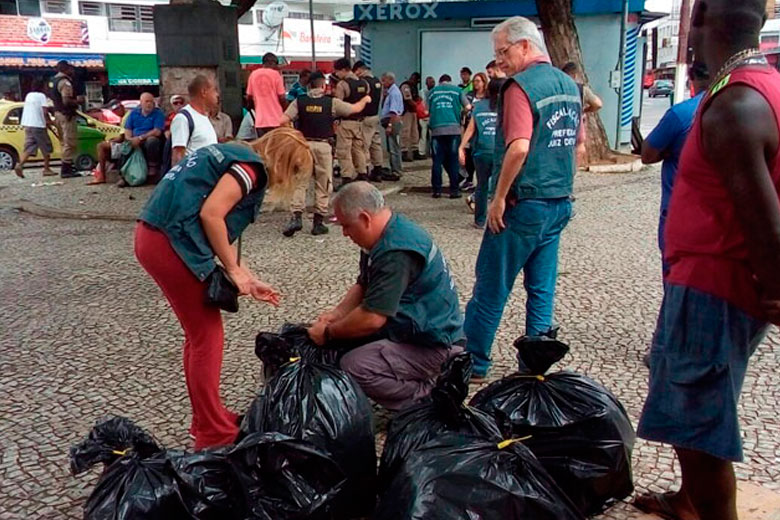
(90, 133)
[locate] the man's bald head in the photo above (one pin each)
(147, 102)
(732, 23)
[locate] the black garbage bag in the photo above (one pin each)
(579, 431)
(319, 403)
(292, 342)
(282, 478)
(208, 484)
(461, 477)
(443, 412)
(110, 439)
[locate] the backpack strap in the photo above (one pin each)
(190, 124)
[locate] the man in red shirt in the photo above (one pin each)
(723, 250)
(265, 93)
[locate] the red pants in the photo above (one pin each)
(212, 423)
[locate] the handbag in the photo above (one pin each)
(221, 291)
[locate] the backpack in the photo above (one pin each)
(168, 148)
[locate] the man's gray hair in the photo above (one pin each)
(356, 197)
(389, 75)
(518, 28)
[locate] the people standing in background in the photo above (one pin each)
(223, 125)
(315, 113)
(665, 143)
(493, 71)
(177, 103)
(723, 250)
(481, 133)
(204, 99)
(36, 123)
(299, 87)
(480, 84)
(591, 103)
(372, 139)
(266, 95)
(65, 106)
(536, 149)
(465, 80)
(350, 149)
(422, 121)
(425, 130)
(410, 137)
(392, 109)
(446, 103)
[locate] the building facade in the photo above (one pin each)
(112, 43)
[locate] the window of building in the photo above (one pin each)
(130, 18)
(56, 6)
(92, 9)
(28, 7)
(246, 18)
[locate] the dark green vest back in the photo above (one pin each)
(444, 106)
(429, 313)
(485, 126)
(548, 172)
(174, 206)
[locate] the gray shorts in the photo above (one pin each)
(37, 139)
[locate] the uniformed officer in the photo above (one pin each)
(65, 107)
(372, 140)
(315, 113)
(350, 150)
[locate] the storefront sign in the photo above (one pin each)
(23, 31)
(19, 59)
(328, 38)
(385, 12)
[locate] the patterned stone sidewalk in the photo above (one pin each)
(85, 332)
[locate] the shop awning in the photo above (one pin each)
(132, 69)
(49, 60)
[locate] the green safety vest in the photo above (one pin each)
(429, 311)
(444, 106)
(548, 171)
(174, 206)
(485, 125)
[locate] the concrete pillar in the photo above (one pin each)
(199, 37)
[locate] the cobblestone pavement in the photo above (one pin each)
(85, 332)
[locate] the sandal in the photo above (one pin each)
(658, 504)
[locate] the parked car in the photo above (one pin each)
(90, 133)
(661, 88)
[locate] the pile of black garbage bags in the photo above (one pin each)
(531, 446)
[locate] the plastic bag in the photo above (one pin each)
(321, 404)
(292, 342)
(284, 479)
(443, 412)
(458, 477)
(134, 170)
(579, 431)
(110, 439)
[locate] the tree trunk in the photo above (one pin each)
(563, 44)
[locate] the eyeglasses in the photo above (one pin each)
(500, 53)
(178, 103)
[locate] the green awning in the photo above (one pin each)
(132, 69)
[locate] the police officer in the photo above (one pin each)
(315, 113)
(350, 150)
(372, 140)
(65, 107)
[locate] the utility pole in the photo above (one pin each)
(681, 70)
(622, 74)
(311, 22)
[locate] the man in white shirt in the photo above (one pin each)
(204, 99)
(35, 121)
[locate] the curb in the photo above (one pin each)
(632, 167)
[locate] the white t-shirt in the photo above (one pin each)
(32, 114)
(203, 133)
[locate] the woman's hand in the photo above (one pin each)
(263, 292)
(462, 156)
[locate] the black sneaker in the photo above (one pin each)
(319, 228)
(392, 176)
(419, 157)
(294, 225)
(361, 177)
(436, 195)
(456, 195)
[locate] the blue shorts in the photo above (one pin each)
(700, 353)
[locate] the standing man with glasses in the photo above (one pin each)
(537, 136)
(392, 109)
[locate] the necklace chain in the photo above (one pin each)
(734, 62)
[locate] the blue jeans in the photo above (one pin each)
(529, 242)
(445, 154)
(484, 166)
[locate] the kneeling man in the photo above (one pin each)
(404, 307)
